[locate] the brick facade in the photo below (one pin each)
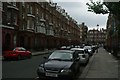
(37, 25)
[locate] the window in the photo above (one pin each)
(23, 15)
(37, 11)
(14, 3)
(23, 26)
(14, 40)
(37, 19)
(15, 19)
(8, 17)
(32, 26)
(23, 3)
(31, 10)
(21, 49)
(42, 15)
(47, 17)
(28, 24)
(29, 7)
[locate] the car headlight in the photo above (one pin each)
(65, 70)
(41, 69)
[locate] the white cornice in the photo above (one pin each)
(4, 26)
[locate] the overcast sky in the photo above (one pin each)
(77, 9)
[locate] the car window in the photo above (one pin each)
(21, 49)
(61, 56)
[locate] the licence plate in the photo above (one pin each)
(51, 74)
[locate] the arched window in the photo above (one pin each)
(7, 41)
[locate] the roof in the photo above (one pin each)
(76, 49)
(64, 51)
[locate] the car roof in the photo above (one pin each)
(64, 51)
(77, 49)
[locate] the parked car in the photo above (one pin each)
(65, 48)
(90, 50)
(83, 54)
(17, 53)
(93, 48)
(62, 47)
(61, 64)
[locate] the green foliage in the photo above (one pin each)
(97, 7)
(114, 7)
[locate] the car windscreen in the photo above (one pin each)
(67, 56)
(20, 49)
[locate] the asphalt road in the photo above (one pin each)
(101, 65)
(25, 68)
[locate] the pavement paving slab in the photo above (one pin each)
(102, 65)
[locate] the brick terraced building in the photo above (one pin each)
(37, 25)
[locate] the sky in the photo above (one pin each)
(77, 9)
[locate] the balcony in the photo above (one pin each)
(42, 20)
(30, 29)
(30, 15)
(5, 26)
(40, 29)
(50, 24)
(13, 7)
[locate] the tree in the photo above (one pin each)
(99, 7)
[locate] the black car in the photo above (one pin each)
(61, 64)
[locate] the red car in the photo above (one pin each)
(17, 53)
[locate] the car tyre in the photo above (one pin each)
(30, 56)
(19, 57)
(5, 59)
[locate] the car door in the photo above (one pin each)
(86, 54)
(76, 61)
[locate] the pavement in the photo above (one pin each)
(36, 53)
(102, 65)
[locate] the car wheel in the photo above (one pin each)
(30, 55)
(5, 59)
(19, 57)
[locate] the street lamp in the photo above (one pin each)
(97, 34)
(97, 37)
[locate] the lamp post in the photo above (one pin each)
(97, 33)
(97, 36)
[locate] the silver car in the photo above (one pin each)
(89, 48)
(83, 54)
